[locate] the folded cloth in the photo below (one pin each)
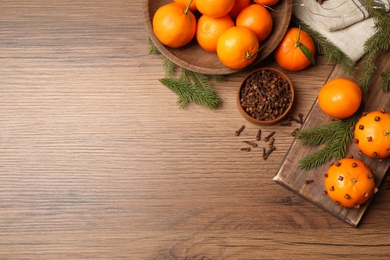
(333, 15)
(350, 39)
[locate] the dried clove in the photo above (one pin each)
(258, 136)
(250, 143)
(300, 115)
(271, 142)
(308, 181)
(270, 150)
(238, 132)
(266, 139)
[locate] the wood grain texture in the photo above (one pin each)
(291, 176)
(98, 162)
(194, 58)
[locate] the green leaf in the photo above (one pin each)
(331, 52)
(307, 53)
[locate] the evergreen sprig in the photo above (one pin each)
(331, 52)
(385, 84)
(334, 137)
(189, 86)
(378, 42)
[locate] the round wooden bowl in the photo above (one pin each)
(194, 58)
(268, 89)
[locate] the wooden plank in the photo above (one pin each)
(292, 177)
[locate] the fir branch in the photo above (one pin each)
(335, 137)
(368, 61)
(189, 86)
(217, 78)
(152, 48)
(316, 159)
(378, 42)
(385, 84)
(168, 66)
(331, 52)
(316, 135)
(187, 92)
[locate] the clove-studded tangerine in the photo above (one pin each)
(349, 182)
(372, 134)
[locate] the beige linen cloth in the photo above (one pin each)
(346, 23)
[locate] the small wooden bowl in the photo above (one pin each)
(194, 58)
(256, 98)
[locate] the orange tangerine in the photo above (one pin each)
(209, 29)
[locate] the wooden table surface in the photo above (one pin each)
(97, 161)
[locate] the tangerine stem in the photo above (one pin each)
(298, 42)
(188, 6)
(249, 56)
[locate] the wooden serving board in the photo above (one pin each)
(293, 178)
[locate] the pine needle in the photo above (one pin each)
(331, 52)
(316, 159)
(168, 66)
(189, 86)
(188, 92)
(385, 84)
(378, 42)
(316, 135)
(335, 137)
(152, 48)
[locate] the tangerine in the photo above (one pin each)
(296, 50)
(372, 134)
(209, 30)
(340, 98)
(349, 182)
(257, 18)
(174, 25)
(267, 2)
(237, 47)
(237, 7)
(192, 7)
(215, 8)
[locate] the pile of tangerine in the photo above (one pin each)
(233, 29)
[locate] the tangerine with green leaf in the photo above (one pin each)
(296, 50)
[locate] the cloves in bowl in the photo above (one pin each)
(265, 96)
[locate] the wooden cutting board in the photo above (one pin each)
(293, 178)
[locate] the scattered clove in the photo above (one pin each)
(271, 142)
(270, 150)
(250, 143)
(308, 181)
(266, 139)
(258, 136)
(300, 115)
(238, 132)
